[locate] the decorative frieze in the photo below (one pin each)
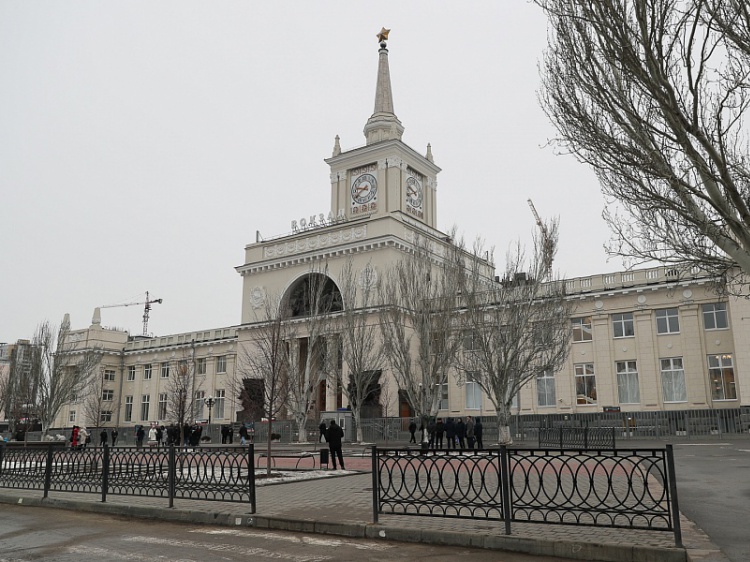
(315, 242)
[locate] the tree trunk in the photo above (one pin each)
(503, 425)
(301, 420)
(357, 423)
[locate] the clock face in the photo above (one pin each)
(414, 192)
(364, 189)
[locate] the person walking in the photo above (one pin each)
(322, 428)
(74, 438)
(243, 434)
(461, 433)
(103, 438)
(450, 434)
(470, 441)
(114, 436)
(139, 435)
(153, 439)
(439, 430)
(478, 429)
(84, 437)
(334, 435)
(412, 431)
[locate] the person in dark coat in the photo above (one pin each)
(478, 429)
(334, 435)
(103, 438)
(450, 433)
(431, 433)
(224, 434)
(322, 429)
(115, 433)
(412, 431)
(470, 436)
(439, 430)
(139, 435)
(461, 433)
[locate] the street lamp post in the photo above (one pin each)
(209, 401)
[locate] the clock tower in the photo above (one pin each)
(385, 176)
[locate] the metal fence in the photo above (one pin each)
(225, 474)
(577, 437)
(614, 488)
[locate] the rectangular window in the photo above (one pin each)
(219, 405)
(545, 389)
(128, 408)
(145, 400)
(473, 391)
(443, 393)
(109, 374)
(108, 395)
(585, 384)
(105, 416)
(221, 364)
(200, 366)
(622, 325)
(165, 370)
(163, 406)
(721, 377)
(667, 321)
(198, 407)
(715, 316)
(673, 380)
(627, 382)
(581, 328)
(72, 416)
(131, 373)
(147, 371)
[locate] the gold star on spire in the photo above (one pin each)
(383, 35)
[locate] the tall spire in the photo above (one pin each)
(383, 125)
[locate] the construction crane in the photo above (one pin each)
(146, 309)
(546, 240)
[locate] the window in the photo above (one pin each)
(108, 395)
(144, 407)
(165, 370)
(627, 382)
(673, 380)
(715, 316)
(147, 371)
(581, 328)
(105, 416)
(163, 406)
(721, 377)
(585, 384)
(667, 321)
(128, 408)
(109, 374)
(200, 366)
(72, 416)
(443, 393)
(221, 364)
(473, 391)
(219, 404)
(545, 389)
(622, 325)
(198, 408)
(471, 340)
(131, 373)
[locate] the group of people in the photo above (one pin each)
(457, 433)
(80, 437)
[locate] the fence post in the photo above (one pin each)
(673, 494)
(172, 467)
(505, 486)
(375, 485)
(251, 475)
(48, 471)
(105, 473)
(2, 454)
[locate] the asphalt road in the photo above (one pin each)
(713, 487)
(48, 534)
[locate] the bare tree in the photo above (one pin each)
(93, 401)
(60, 370)
(20, 386)
(418, 324)
(181, 389)
(361, 349)
(654, 96)
(515, 329)
(310, 305)
(266, 358)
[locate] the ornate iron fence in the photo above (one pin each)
(226, 474)
(577, 437)
(614, 488)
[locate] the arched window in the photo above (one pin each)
(314, 293)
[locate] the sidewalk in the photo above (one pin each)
(343, 506)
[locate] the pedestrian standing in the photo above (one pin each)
(74, 438)
(431, 433)
(322, 428)
(139, 436)
(334, 435)
(450, 434)
(153, 439)
(461, 433)
(114, 436)
(478, 429)
(439, 430)
(412, 431)
(243, 434)
(103, 438)
(470, 433)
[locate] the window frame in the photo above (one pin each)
(664, 317)
(145, 406)
(723, 369)
(546, 382)
(589, 389)
(221, 364)
(623, 320)
(131, 372)
(109, 375)
(148, 371)
(578, 326)
(625, 371)
(472, 392)
(128, 408)
(164, 370)
(672, 370)
(717, 311)
(108, 395)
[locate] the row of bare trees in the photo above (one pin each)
(437, 312)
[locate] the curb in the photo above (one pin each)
(577, 550)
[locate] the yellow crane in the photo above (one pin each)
(546, 240)
(146, 309)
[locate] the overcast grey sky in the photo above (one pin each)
(143, 143)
